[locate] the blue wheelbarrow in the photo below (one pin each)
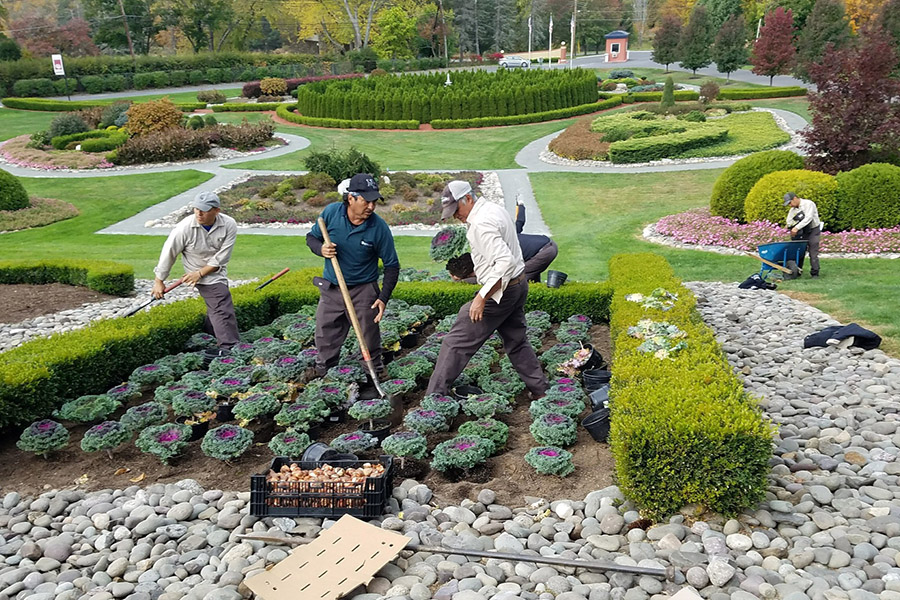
(786, 257)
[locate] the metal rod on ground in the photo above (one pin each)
(273, 278)
(598, 565)
(348, 302)
(152, 300)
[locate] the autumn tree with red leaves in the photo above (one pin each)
(43, 36)
(855, 116)
(773, 53)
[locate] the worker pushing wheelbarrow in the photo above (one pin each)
(787, 257)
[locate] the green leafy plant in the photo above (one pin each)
(226, 387)
(277, 389)
(501, 384)
(462, 452)
(289, 443)
(223, 364)
(164, 394)
(405, 444)
(43, 437)
(152, 375)
(425, 421)
(445, 405)
(124, 393)
(485, 405)
(200, 341)
(302, 332)
(198, 379)
(538, 319)
(571, 405)
(67, 123)
(302, 415)
(554, 429)
(252, 373)
(346, 374)
(661, 338)
(448, 243)
(410, 368)
(106, 436)
(340, 165)
(254, 406)
(354, 442)
(144, 415)
(192, 402)
(226, 442)
(12, 193)
(182, 362)
(287, 368)
(550, 460)
(86, 409)
(164, 441)
(398, 386)
(332, 394)
(369, 410)
(489, 429)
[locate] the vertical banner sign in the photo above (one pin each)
(58, 68)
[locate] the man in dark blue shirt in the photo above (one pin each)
(359, 239)
(537, 250)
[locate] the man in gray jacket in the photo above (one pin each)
(204, 240)
(803, 219)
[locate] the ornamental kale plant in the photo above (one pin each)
(86, 409)
(445, 324)
(566, 380)
(287, 368)
(151, 375)
(144, 415)
(243, 351)
(580, 320)
(255, 406)
(200, 341)
(572, 334)
(659, 299)
(277, 389)
(445, 405)
(502, 385)
(490, 429)
(289, 443)
(427, 352)
(107, 436)
(565, 390)
(252, 373)
(558, 354)
(539, 319)
(43, 437)
(535, 337)
(164, 394)
(192, 402)
(550, 460)
(222, 364)
(554, 429)
(302, 415)
(332, 394)
(124, 393)
(226, 442)
(448, 243)
(272, 351)
(346, 374)
(165, 442)
(302, 332)
(197, 379)
(398, 386)
(405, 444)
(461, 452)
(425, 421)
(182, 362)
(409, 367)
(661, 338)
(571, 406)
(354, 442)
(369, 410)
(226, 387)
(486, 405)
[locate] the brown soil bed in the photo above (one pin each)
(25, 301)
(506, 473)
(41, 211)
(18, 150)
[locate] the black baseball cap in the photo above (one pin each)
(365, 185)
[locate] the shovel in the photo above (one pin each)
(273, 278)
(136, 310)
(364, 349)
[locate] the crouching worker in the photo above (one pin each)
(538, 251)
(462, 269)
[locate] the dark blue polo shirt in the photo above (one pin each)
(359, 246)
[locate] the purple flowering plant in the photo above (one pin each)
(483, 406)
(448, 243)
(124, 393)
(289, 443)
(445, 405)
(164, 394)
(106, 436)
(398, 386)
(302, 415)
(346, 374)
(489, 429)
(332, 394)
(43, 437)
(571, 405)
(165, 442)
(287, 368)
(226, 387)
(405, 444)
(354, 442)
(222, 364)
(461, 452)
(254, 406)
(554, 429)
(371, 409)
(550, 460)
(152, 375)
(226, 442)
(192, 402)
(144, 415)
(425, 421)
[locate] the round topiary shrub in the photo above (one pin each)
(765, 201)
(12, 193)
(152, 116)
(733, 185)
(868, 197)
(67, 123)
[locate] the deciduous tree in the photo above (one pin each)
(730, 49)
(720, 11)
(889, 20)
(109, 31)
(665, 43)
(695, 47)
(773, 53)
(826, 24)
(395, 33)
(855, 116)
(862, 12)
(43, 36)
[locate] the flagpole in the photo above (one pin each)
(572, 28)
(529, 39)
(550, 44)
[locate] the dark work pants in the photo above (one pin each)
(812, 246)
(538, 263)
(465, 338)
(220, 319)
(333, 323)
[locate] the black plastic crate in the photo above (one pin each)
(366, 499)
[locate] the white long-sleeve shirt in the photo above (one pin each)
(495, 247)
(810, 215)
(199, 248)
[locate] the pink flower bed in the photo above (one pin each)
(699, 227)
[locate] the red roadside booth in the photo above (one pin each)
(617, 46)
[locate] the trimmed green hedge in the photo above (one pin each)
(869, 197)
(61, 141)
(102, 276)
(38, 376)
(246, 106)
(66, 105)
(769, 92)
(765, 200)
(286, 112)
(683, 430)
(636, 150)
(550, 115)
(735, 182)
(629, 97)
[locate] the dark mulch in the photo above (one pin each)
(24, 301)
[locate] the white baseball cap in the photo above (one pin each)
(451, 195)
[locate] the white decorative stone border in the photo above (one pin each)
(650, 234)
(553, 159)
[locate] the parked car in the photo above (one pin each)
(512, 62)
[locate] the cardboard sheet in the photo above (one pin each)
(342, 557)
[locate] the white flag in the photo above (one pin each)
(529, 24)
(572, 24)
(551, 25)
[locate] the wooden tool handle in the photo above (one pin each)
(770, 263)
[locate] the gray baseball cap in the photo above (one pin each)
(788, 197)
(205, 201)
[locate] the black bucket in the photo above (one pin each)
(594, 361)
(555, 278)
(461, 392)
(315, 453)
(410, 340)
(600, 397)
(381, 430)
(224, 413)
(198, 430)
(595, 378)
(597, 424)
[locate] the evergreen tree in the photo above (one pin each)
(889, 20)
(730, 48)
(773, 53)
(436, 106)
(668, 95)
(446, 112)
(695, 46)
(826, 24)
(425, 108)
(665, 43)
(719, 11)
(354, 107)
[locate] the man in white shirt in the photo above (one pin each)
(500, 303)
(204, 240)
(803, 219)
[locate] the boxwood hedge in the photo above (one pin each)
(869, 197)
(683, 430)
(287, 112)
(764, 202)
(733, 185)
(656, 147)
(66, 105)
(539, 117)
(102, 276)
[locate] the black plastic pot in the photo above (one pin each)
(224, 413)
(555, 278)
(461, 392)
(338, 415)
(410, 340)
(594, 378)
(600, 397)
(381, 429)
(198, 430)
(594, 361)
(387, 356)
(315, 453)
(597, 424)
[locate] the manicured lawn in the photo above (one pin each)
(794, 105)
(180, 96)
(18, 122)
(612, 209)
(659, 75)
(747, 132)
